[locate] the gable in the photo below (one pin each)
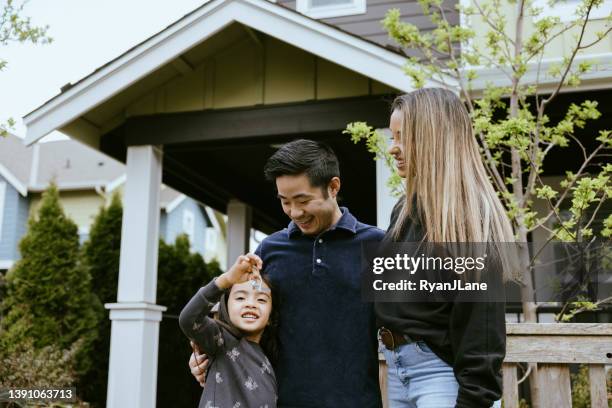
(159, 56)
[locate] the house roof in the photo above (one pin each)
(318, 38)
(169, 198)
(70, 164)
(15, 162)
(73, 165)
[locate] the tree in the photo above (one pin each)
(14, 27)
(49, 300)
(100, 259)
(511, 120)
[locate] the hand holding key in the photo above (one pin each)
(244, 269)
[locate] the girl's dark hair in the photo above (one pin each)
(269, 338)
(315, 159)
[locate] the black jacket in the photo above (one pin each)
(469, 336)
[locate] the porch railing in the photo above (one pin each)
(554, 347)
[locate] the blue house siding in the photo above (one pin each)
(172, 224)
(163, 221)
(14, 222)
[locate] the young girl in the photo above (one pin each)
(240, 373)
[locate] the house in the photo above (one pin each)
(86, 180)
(203, 103)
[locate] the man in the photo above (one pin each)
(327, 335)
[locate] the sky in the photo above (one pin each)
(86, 34)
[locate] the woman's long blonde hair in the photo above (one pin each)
(445, 177)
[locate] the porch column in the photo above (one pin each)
(238, 230)
(132, 372)
(384, 200)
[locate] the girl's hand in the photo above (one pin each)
(245, 268)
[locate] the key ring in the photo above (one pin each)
(256, 281)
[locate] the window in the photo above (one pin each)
(566, 9)
(331, 8)
(189, 226)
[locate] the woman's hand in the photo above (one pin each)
(244, 269)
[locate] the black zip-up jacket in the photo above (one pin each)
(469, 336)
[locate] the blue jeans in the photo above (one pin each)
(417, 378)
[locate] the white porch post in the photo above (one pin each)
(384, 199)
(238, 230)
(132, 373)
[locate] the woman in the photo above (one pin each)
(442, 354)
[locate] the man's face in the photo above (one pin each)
(306, 205)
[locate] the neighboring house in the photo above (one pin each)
(86, 180)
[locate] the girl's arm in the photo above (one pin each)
(194, 320)
(195, 323)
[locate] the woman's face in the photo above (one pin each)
(397, 146)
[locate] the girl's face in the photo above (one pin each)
(397, 146)
(249, 308)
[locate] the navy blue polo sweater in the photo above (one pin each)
(328, 347)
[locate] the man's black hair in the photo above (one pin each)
(315, 159)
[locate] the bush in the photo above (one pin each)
(30, 367)
(48, 296)
(581, 393)
(100, 258)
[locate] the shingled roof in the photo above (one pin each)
(70, 164)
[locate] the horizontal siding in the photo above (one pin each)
(369, 25)
(376, 12)
(163, 225)
(14, 222)
(21, 222)
(174, 224)
(289, 4)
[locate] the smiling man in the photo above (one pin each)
(328, 348)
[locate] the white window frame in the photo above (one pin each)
(2, 200)
(189, 226)
(566, 10)
(336, 10)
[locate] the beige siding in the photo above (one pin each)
(80, 206)
(250, 72)
(290, 73)
(238, 76)
(187, 92)
(334, 81)
(560, 46)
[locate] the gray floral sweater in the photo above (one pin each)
(239, 374)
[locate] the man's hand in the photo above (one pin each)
(198, 364)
